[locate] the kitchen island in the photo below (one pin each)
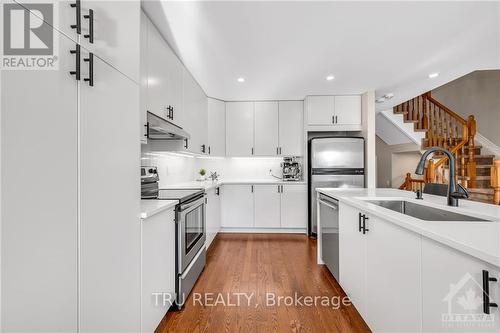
(406, 274)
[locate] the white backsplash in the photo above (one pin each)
(174, 168)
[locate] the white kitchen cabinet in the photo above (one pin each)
(266, 129)
(347, 110)
(239, 128)
(158, 267)
(320, 110)
(116, 33)
(39, 206)
(238, 206)
(195, 115)
(68, 249)
(291, 128)
(143, 72)
(294, 206)
(452, 286)
(109, 225)
(267, 206)
(393, 290)
(216, 127)
(352, 257)
(213, 209)
(335, 112)
(157, 73)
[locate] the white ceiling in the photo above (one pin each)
(285, 50)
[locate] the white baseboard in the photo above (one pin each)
(489, 146)
(265, 230)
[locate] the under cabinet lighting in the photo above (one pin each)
(433, 75)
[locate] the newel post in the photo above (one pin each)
(495, 181)
(471, 163)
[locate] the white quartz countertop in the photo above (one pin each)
(478, 239)
(208, 184)
(151, 207)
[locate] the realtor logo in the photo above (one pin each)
(464, 302)
(28, 36)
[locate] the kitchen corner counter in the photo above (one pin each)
(478, 239)
(208, 184)
(150, 207)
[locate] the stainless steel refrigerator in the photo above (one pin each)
(337, 162)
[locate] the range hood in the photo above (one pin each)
(161, 129)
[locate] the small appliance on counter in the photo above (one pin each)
(292, 169)
(149, 182)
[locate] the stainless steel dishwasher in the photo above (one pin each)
(329, 224)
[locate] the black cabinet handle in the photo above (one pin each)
(170, 113)
(78, 25)
(333, 119)
(251, 188)
(217, 190)
(280, 150)
(277, 150)
(486, 292)
(147, 130)
(77, 54)
(90, 17)
(90, 60)
(360, 226)
(203, 148)
(186, 145)
(365, 229)
(209, 150)
(252, 150)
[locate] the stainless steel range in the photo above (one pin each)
(190, 228)
(190, 216)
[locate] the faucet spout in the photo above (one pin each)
(453, 194)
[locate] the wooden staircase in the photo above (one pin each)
(479, 173)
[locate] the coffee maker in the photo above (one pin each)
(292, 169)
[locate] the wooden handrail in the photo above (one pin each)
(446, 129)
(495, 181)
(429, 97)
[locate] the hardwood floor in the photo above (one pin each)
(256, 264)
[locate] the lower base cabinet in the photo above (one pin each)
(400, 281)
(213, 211)
(158, 268)
(452, 285)
(261, 207)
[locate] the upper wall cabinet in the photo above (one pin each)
(195, 115)
(110, 30)
(164, 77)
(216, 127)
(291, 128)
(239, 128)
(266, 129)
(341, 113)
(143, 97)
(269, 128)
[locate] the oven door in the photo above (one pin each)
(191, 231)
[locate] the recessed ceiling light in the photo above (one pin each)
(433, 75)
(330, 77)
(241, 79)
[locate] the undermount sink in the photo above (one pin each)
(424, 212)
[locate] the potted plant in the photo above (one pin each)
(202, 173)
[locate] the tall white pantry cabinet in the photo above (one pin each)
(70, 187)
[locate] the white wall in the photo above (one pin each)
(368, 118)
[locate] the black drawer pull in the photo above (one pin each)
(90, 17)
(90, 60)
(77, 70)
(78, 25)
(486, 292)
(365, 229)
